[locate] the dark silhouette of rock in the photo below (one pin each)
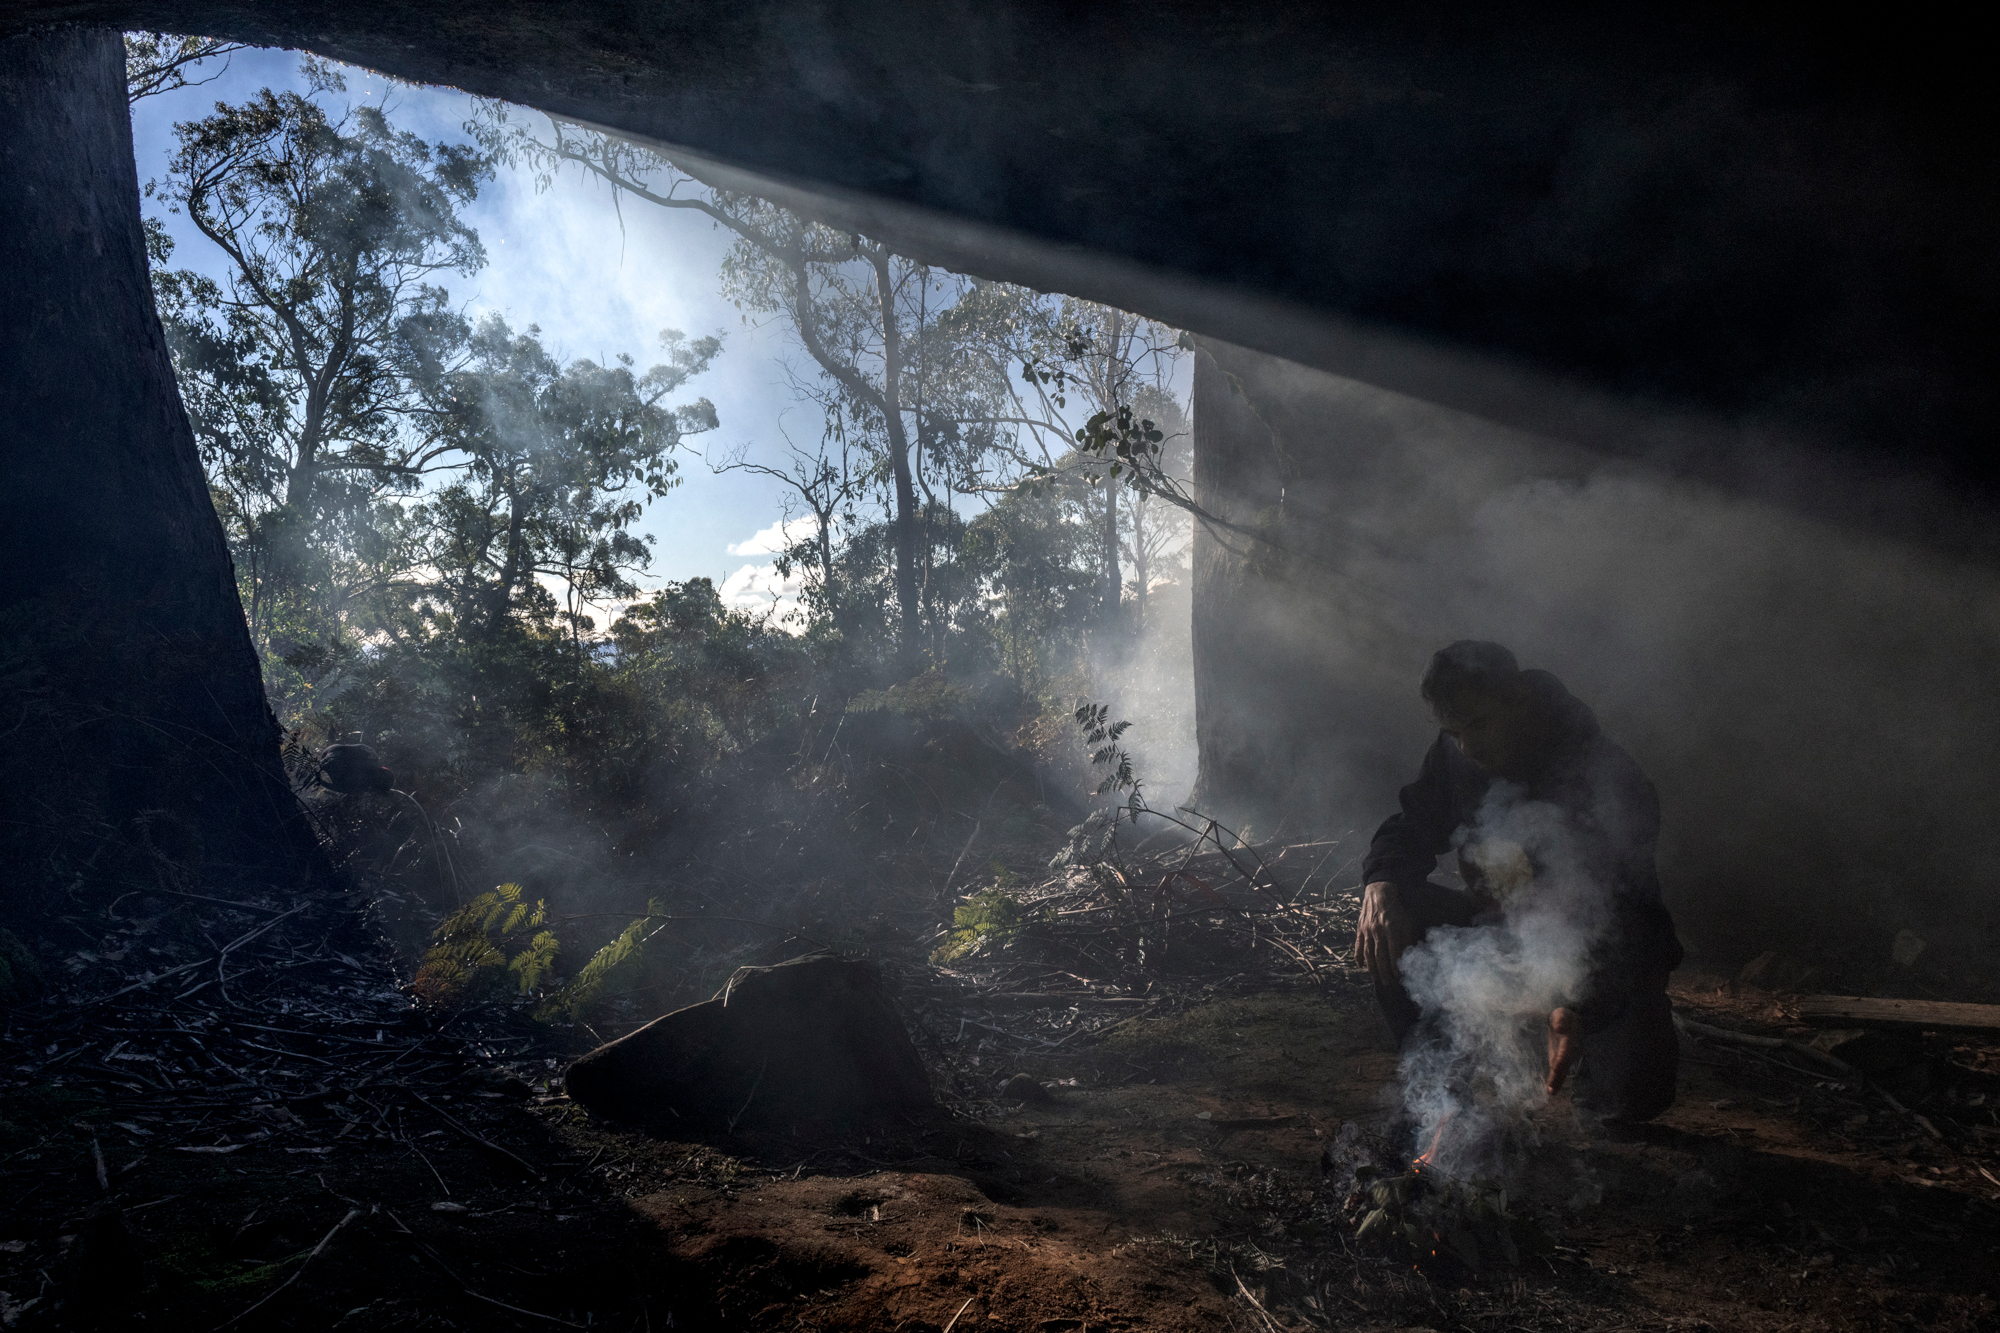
(812, 1039)
(105, 1269)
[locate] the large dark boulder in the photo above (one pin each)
(814, 1039)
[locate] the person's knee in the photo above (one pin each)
(1430, 905)
(1629, 1072)
(1642, 1095)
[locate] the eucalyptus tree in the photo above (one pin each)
(1112, 364)
(886, 363)
(828, 480)
(1156, 533)
(302, 366)
(556, 464)
(159, 62)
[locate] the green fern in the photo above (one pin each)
(592, 978)
(500, 935)
(468, 956)
(993, 914)
(532, 964)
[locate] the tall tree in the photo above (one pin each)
(558, 459)
(1107, 361)
(159, 62)
(130, 689)
(828, 482)
(302, 367)
(1157, 532)
(869, 319)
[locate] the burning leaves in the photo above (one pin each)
(1439, 1223)
(1447, 1227)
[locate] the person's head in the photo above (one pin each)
(1481, 699)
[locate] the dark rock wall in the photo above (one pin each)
(1814, 701)
(136, 733)
(1748, 209)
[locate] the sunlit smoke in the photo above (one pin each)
(1476, 1067)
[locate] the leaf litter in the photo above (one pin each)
(297, 1146)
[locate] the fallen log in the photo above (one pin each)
(1730, 1036)
(1867, 1012)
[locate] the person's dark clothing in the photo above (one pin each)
(1587, 819)
(1625, 1069)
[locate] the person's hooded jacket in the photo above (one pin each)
(1577, 826)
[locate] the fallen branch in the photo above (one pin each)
(298, 1272)
(946, 890)
(1898, 1107)
(227, 949)
(487, 1144)
(1733, 1038)
(1255, 1304)
(961, 1310)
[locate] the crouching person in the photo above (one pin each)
(1553, 823)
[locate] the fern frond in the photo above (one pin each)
(591, 978)
(533, 963)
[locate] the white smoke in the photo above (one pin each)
(1477, 1066)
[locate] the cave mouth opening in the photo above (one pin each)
(1789, 639)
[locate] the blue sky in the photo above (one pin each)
(561, 260)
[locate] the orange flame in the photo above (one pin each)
(1437, 1137)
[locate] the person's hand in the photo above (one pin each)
(1564, 1033)
(1383, 933)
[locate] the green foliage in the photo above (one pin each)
(591, 981)
(927, 698)
(991, 915)
(468, 954)
(1121, 435)
(425, 511)
(1090, 842)
(559, 462)
(302, 367)
(1094, 721)
(499, 936)
(158, 62)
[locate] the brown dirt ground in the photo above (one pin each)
(1172, 1183)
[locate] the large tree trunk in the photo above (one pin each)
(139, 745)
(1241, 719)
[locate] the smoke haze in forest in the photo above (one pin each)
(1810, 696)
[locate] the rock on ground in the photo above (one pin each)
(814, 1039)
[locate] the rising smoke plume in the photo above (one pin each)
(1476, 1067)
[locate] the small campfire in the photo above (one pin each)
(1441, 1224)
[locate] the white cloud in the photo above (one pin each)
(780, 536)
(761, 588)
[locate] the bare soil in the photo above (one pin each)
(1172, 1182)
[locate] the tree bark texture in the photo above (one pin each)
(139, 742)
(1242, 734)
